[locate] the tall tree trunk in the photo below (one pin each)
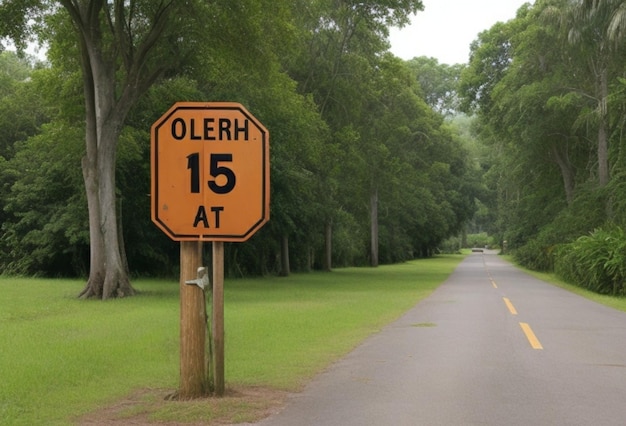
(374, 227)
(116, 281)
(567, 173)
(108, 275)
(116, 47)
(104, 118)
(120, 234)
(97, 271)
(96, 243)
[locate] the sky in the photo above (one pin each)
(446, 28)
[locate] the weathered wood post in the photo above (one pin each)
(193, 377)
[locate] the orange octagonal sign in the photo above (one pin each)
(210, 172)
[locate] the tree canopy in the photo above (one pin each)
(548, 93)
(365, 167)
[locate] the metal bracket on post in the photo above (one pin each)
(202, 279)
(204, 283)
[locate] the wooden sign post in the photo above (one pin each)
(210, 182)
(192, 324)
(218, 316)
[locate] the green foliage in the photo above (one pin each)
(535, 255)
(490, 58)
(17, 18)
(614, 302)
(347, 120)
(451, 246)
(45, 229)
(21, 109)
(584, 214)
(439, 83)
(548, 100)
(596, 262)
(481, 239)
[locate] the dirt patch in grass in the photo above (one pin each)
(151, 407)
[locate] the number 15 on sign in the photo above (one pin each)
(210, 172)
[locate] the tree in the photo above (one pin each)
(44, 230)
(537, 108)
(490, 58)
(21, 111)
(340, 47)
(121, 47)
(596, 28)
(386, 123)
(355, 150)
(552, 118)
(438, 82)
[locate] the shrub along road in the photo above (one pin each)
(491, 346)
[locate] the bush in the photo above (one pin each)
(596, 262)
(535, 255)
(450, 246)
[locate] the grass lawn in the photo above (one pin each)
(61, 358)
(615, 302)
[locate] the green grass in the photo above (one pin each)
(615, 302)
(61, 357)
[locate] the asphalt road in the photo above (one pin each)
(491, 346)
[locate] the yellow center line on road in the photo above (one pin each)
(493, 283)
(509, 305)
(532, 339)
